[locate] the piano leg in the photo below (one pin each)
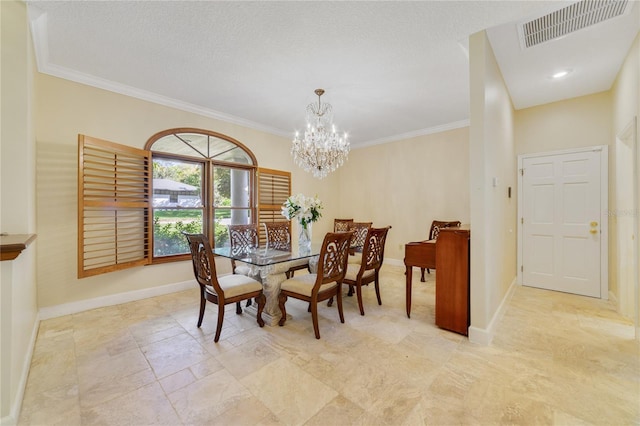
(408, 273)
(422, 274)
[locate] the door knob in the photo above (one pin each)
(594, 224)
(593, 231)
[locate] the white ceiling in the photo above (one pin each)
(391, 70)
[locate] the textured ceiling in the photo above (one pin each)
(390, 69)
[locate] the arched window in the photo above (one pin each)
(133, 203)
(202, 182)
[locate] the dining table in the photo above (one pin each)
(270, 266)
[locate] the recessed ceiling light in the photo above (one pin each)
(561, 74)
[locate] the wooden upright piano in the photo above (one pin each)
(452, 276)
(421, 254)
(452, 279)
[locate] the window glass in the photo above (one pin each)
(231, 200)
(172, 144)
(231, 187)
(185, 201)
(198, 142)
(176, 183)
(202, 145)
(168, 225)
(177, 204)
(225, 217)
(235, 155)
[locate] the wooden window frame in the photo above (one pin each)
(207, 197)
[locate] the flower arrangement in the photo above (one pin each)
(305, 209)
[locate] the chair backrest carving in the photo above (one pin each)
(341, 225)
(278, 235)
(373, 252)
(204, 266)
(332, 262)
(242, 238)
(437, 225)
(360, 230)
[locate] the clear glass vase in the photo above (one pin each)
(304, 235)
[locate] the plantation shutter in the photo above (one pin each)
(274, 187)
(114, 193)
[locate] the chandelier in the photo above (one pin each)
(321, 150)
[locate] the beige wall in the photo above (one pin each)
(625, 95)
(18, 309)
(407, 184)
(64, 110)
(573, 123)
(493, 170)
(626, 89)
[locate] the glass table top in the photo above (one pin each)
(263, 256)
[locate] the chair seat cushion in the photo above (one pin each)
(304, 285)
(352, 272)
(235, 285)
(355, 259)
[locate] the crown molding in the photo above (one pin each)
(421, 132)
(155, 98)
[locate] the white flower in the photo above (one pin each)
(305, 209)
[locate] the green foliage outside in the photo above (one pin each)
(177, 171)
(168, 238)
(170, 223)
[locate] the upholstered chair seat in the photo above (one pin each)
(355, 258)
(304, 285)
(236, 284)
(352, 272)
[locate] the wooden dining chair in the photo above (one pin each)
(360, 230)
(279, 238)
(341, 225)
(369, 269)
(278, 235)
(242, 238)
(223, 290)
(436, 226)
(314, 288)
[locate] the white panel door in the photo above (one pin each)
(561, 222)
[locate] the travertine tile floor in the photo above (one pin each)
(556, 359)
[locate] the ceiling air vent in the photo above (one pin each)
(569, 19)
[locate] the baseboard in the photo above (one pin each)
(394, 262)
(114, 299)
(8, 421)
(484, 336)
(16, 405)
